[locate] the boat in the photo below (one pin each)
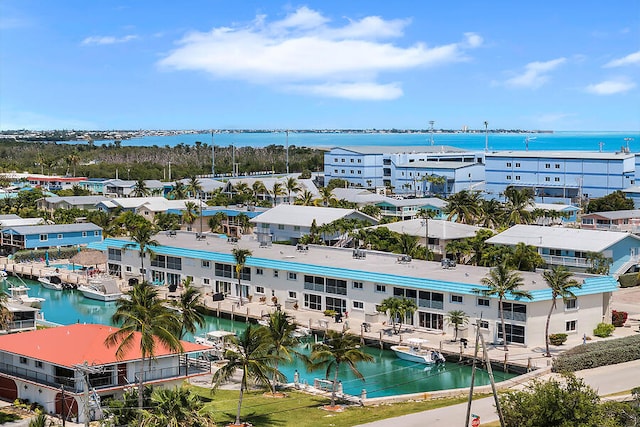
(20, 294)
(217, 339)
(414, 352)
(3, 274)
(101, 290)
(51, 281)
(301, 332)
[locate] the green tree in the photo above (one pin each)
(248, 352)
(560, 281)
(372, 211)
(190, 309)
(194, 187)
(140, 189)
(190, 213)
(518, 205)
(463, 206)
(166, 221)
(292, 186)
(338, 348)
(502, 282)
(144, 321)
(525, 257)
(492, 214)
(616, 201)
(457, 318)
(598, 263)
(257, 189)
(142, 238)
(280, 340)
(240, 256)
(408, 244)
(277, 191)
(326, 196)
(215, 222)
(175, 407)
(178, 191)
(398, 309)
(305, 198)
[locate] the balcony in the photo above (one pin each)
(566, 261)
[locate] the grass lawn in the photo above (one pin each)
(303, 410)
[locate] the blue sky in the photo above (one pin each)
(561, 65)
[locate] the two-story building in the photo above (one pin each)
(322, 278)
(626, 221)
(88, 203)
(61, 367)
(13, 239)
(404, 209)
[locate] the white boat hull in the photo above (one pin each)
(98, 296)
(426, 357)
(47, 283)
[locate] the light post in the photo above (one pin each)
(486, 136)
(431, 122)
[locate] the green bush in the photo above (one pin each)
(557, 339)
(330, 313)
(604, 330)
(629, 280)
(596, 354)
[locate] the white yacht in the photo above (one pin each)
(101, 290)
(414, 352)
(20, 294)
(51, 281)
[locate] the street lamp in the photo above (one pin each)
(486, 136)
(431, 122)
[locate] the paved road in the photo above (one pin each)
(606, 379)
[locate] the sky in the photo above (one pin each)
(569, 65)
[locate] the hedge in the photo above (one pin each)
(40, 254)
(628, 280)
(597, 354)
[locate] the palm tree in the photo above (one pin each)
(408, 244)
(337, 348)
(426, 215)
(280, 340)
(189, 308)
(215, 222)
(436, 181)
(503, 282)
(248, 352)
(178, 191)
(305, 198)
(142, 237)
(72, 160)
(492, 213)
(190, 213)
(525, 257)
(277, 190)
(257, 188)
(145, 321)
(327, 197)
(292, 186)
(194, 187)
(457, 318)
(240, 255)
(463, 206)
(244, 222)
(518, 203)
(398, 309)
(140, 189)
(6, 316)
(242, 190)
(177, 407)
(560, 282)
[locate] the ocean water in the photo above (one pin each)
(387, 376)
(588, 141)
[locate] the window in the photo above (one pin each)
(337, 304)
(44, 237)
(456, 299)
(342, 170)
(359, 172)
(336, 286)
(547, 179)
(313, 302)
(483, 302)
(259, 272)
(275, 273)
(335, 171)
(280, 226)
(508, 164)
(357, 285)
(571, 326)
(517, 177)
(557, 165)
(351, 171)
(206, 281)
(296, 228)
(39, 364)
(259, 289)
(430, 299)
(114, 254)
(223, 270)
(84, 234)
(381, 288)
(483, 324)
(292, 276)
(174, 263)
(571, 304)
(96, 233)
(314, 283)
(513, 311)
(335, 160)
(359, 160)
(24, 360)
(293, 295)
(205, 264)
(430, 320)
(159, 261)
(547, 165)
(59, 236)
(517, 165)
(555, 252)
(127, 269)
(515, 333)
(342, 160)
(351, 160)
(557, 179)
(508, 176)
(358, 305)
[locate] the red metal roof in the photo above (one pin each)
(76, 344)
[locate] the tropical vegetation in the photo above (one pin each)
(561, 283)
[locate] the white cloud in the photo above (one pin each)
(535, 74)
(610, 87)
(102, 40)
(631, 59)
(303, 50)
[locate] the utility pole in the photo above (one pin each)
(233, 160)
(85, 370)
(431, 122)
(493, 383)
(473, 374)
(169, 171)
(486, 136)
(287, 153)
(64, 404)
(213, 157)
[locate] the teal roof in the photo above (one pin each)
(591, 285)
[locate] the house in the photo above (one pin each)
(318, 278)
(13, 239)
(559, 176)
(53, 182)
(571, 246)
(23, 317)
(404, 209)
(407, 170)
(13, 220)
(52, 367)
(359, 196)
(88, 203)
(626, 221)
(148, 207)
(288, 223)
(269, 183)
(125, 188)
(231, 221)
(440, 233)
(554, 213)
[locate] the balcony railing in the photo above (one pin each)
(430, 303)
(511, 315)
(566, 260)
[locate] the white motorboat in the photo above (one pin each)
(414, 352)
(51, 281)
(3, 274)
(217, 339)
(101, 290)
(20, 294)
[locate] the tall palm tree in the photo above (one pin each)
(142, 237)
(280, 340)
(244, 222)
(240, 255)
(145, 321)
(215, 222)
(242, 190)
(408, 244)
(525, 257)
(277, 190)
(463, 206)
(502, 282)
(327, 197)
(189, 307)
(257, 188)
(518, 205)
(194, 187)
(248, 352)
(560, 281)
(292, 186)
(140, 189)
(178, 191)
(190, 213)
(337, 348)
(457, 318)
(492, 214)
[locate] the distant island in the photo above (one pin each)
(119, 135)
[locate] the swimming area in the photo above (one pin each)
(587, 141)
(387, 376)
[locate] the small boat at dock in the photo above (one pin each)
(20, 294)
(51, 281)
(414, 352)
(101, 290)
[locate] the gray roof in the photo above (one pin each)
(424, 201)
(357, 195)
(394, 149)
(439, 229)
(560, 238)
(631, 213)
(562, 155)
(76, 200)
(438, 165)
(54, 228)
(9, 216)
(303, 216)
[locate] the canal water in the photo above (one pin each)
(387, 376)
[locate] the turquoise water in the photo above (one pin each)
(473, 141)
(387, 376)
(67, 266)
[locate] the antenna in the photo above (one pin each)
(526, 141)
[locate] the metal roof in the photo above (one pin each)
(53, 228)
(303, 216)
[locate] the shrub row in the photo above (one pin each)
(596, 354)
(40, 254)
(628, 280)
